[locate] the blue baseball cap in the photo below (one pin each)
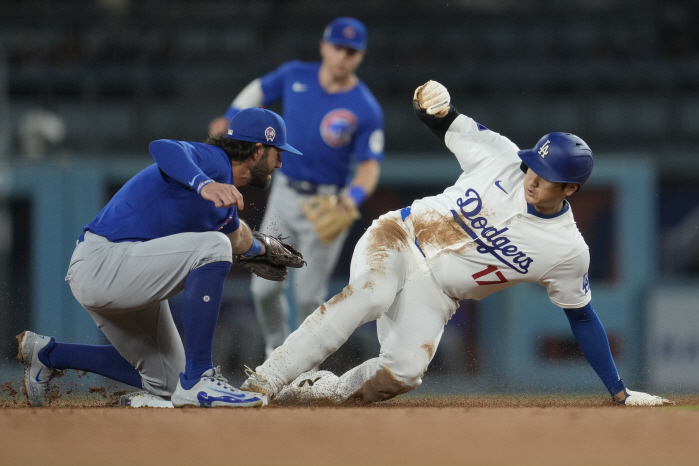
(346, 31)
(260, 125)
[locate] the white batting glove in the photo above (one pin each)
(644, 399)
(434, 98)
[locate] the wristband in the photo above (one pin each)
(254, 250)
(202, 184)
(357, 193)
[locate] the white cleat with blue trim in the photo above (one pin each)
(213, 391)
(37, 376)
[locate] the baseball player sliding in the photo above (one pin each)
(173, 227)
(505, 221)
(334, 120)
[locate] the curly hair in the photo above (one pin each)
(236, 150)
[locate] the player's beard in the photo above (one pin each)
(259, 173)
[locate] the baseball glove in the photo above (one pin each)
(330, 215)
(272, 265)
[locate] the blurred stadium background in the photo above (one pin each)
(85, 85)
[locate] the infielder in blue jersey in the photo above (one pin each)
(172, 228)
(335, 121)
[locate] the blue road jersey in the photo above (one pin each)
(332, 130)
(153, 204)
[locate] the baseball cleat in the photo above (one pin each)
(305, 389)
(258, 383)
(143, 399)
(213, 391)
(37, 376)
(643, 399)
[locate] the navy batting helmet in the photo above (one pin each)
(560, 158)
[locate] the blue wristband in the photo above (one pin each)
(202, 184)
(358, 194)
(254, 250)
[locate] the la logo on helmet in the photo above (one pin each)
(544, 150)
(270, 133)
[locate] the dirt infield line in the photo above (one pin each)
(331, 436)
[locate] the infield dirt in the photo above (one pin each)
(522, 430)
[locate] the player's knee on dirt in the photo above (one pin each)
(383, 385)
(407, 367)
(158, 387)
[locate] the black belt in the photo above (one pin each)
(306, 187)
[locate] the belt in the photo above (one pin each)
(81, 239)
(308, 188)
(405, 213)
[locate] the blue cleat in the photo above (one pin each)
(213, 391)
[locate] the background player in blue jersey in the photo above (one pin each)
(173, 227)
(334, 120)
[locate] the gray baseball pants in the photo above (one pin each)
(309, 284)
(125, 287)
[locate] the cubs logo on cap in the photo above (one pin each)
(260, 125)
(348, 32)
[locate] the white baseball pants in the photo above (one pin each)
(389, 281)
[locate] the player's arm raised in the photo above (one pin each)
(472, 143)
(432, 105)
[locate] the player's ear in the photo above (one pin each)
(571, 188)
(259, 150)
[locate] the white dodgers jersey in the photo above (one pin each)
(478, 237)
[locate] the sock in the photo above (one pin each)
(201, 302)
(98, 359)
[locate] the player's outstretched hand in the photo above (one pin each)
(643, 399)
(222, 195)
(434, 98)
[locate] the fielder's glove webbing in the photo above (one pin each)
(272, 265)
(330, 215)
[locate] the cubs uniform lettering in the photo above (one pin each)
(412, 266)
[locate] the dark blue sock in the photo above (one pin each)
(201, 302)
(592, 338)
(99, 359)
